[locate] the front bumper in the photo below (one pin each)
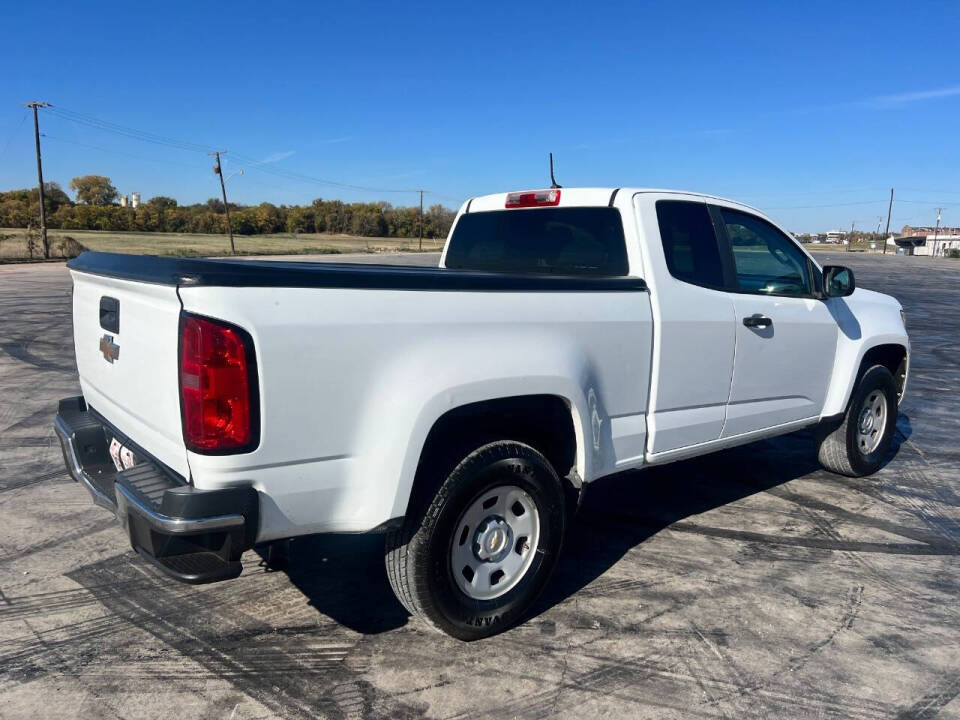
(195, 536)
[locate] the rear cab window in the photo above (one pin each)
(560, 240)
(690, 243)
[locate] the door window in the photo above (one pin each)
(767, 262)
(689, 242)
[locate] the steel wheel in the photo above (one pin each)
(871, 422)
(495, 542)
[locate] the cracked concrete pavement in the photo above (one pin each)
(749, 583)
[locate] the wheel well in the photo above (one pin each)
(893, 357)
(545, 422)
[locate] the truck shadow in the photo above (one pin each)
(343, 576)
(622, 511)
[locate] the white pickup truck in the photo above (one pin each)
(463, 410)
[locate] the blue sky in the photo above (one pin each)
(810, 111)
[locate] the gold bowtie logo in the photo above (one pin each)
(110, 350)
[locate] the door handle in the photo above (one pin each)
(758, 321)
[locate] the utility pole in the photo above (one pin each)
(887, 233)
(43, 214)
(850, 239)
(223, 189)
(936, 231)
(421, 218)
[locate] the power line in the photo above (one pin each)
(117, 152)
(929, 202)
(827, 191)
(145, 135)
(253, 163)
(13, 133)
(293, 175)
(833, 205)
(945, 192)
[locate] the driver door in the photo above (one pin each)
(785, 337)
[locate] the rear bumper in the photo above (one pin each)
(195, 536)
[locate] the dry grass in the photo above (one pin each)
(13, 245)
(856, 247)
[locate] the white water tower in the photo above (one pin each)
(135, 200)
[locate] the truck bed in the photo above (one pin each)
(354, 365)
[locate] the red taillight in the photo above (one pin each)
(216, 375)
(533, 198)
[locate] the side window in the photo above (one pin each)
(689, 242)
(767, 261)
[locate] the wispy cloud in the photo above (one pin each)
(336, 140)
(277, 157)
(885, 101)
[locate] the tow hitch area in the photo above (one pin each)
(195, 536)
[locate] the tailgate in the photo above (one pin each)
(129, 366)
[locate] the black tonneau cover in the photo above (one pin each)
(267, 273)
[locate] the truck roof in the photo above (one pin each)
(585, 196)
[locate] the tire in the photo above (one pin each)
(843, 449)
(420, 557)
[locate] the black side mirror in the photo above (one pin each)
(838, 281)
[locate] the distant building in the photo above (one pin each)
(836, 237)
(133, 201)
(910, 231)
(925, 244)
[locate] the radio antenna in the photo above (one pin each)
(553, 182)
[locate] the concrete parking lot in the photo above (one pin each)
(745, 584)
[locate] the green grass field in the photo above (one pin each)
(13, 244)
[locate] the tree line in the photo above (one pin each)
(96, 208)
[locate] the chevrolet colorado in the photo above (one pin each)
(463, 410)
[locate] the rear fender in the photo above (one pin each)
(461, 375)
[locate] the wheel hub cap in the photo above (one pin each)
(495, 542)
(492, 539)
(871, 422)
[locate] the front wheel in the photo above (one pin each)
(477, 557)
(861, 442)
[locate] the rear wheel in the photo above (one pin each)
(858, 446)
(474, 560)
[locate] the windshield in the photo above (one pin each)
(566, 241)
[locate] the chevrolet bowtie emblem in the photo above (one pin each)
(110, 350)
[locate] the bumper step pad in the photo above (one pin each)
(193, 535)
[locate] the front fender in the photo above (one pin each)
(866, 320)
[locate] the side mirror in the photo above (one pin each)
(838, 281)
